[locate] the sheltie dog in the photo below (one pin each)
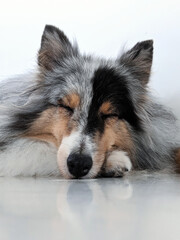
(80, 116)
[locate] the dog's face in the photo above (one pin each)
(90, 107)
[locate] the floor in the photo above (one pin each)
(139, 206)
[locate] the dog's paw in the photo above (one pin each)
(116, 165)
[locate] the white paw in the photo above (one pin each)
(120, 160)
(117, 164)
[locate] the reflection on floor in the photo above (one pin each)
(142, 207)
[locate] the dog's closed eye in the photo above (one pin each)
(69, 109)
(106, 116)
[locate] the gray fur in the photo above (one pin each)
(154, 146)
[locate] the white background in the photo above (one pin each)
(100, 27)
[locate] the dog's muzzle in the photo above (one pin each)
(79, 164)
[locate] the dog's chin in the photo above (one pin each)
(67, 175)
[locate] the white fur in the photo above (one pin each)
(29, 158)
(68, 145)
(34, 158)
(118, 160)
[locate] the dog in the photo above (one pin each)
(80, 116)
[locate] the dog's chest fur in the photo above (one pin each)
(29, 158)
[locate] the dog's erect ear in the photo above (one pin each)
(139, 60)
(54, 46)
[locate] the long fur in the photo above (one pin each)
(26, 96)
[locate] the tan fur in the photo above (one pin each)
(52, 125)
(115, 137)
(45, 137)
(106, 108)
(177, 159)
(55, 123)
(72, 100)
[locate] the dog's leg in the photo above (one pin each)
(116, 165)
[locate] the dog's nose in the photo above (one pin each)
(79, 164)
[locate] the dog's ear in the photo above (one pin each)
(54, 46)
(139, 60)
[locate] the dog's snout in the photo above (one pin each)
(79, 164)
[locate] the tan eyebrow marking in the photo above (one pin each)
(72, 100)
(106, 108)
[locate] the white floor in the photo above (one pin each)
(142, 207)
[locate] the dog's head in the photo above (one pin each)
(89, 106)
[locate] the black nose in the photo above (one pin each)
(79, 164)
